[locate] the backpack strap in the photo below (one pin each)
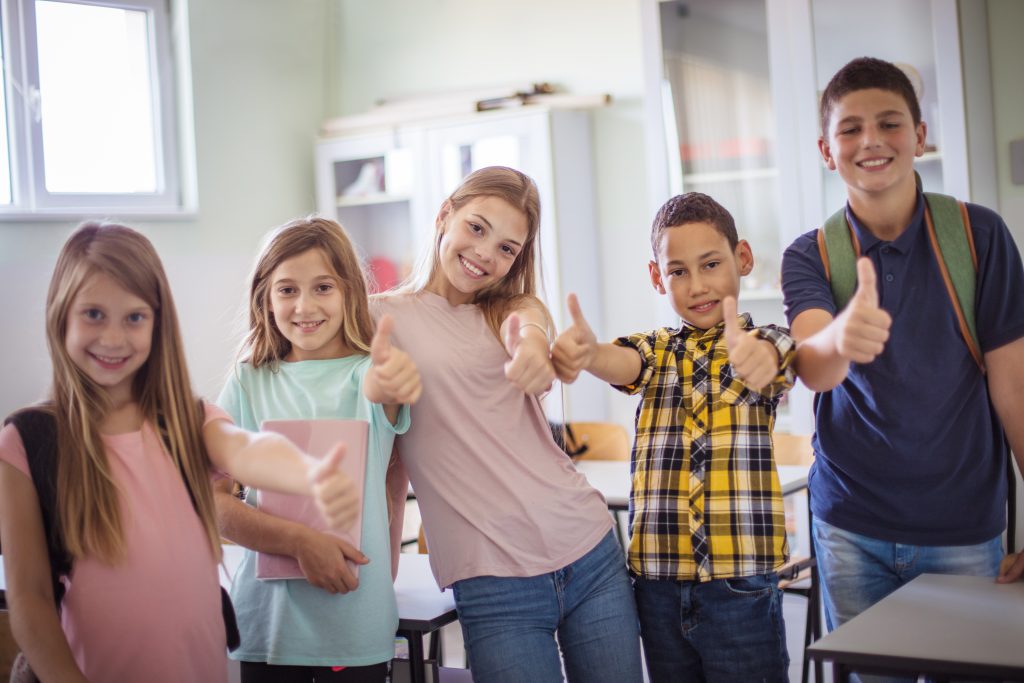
(949, 232)
(37, 428)
(839, 249)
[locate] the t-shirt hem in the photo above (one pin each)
(263, 658)
(932, 538)
(503, 571)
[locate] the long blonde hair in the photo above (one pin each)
(520, 283)
(88, 501)
(264, 343)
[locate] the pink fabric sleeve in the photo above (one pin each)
(12, 449)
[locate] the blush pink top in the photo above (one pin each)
(156, 615)
(497, 495)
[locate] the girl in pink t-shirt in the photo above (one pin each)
(133, 507)
(516, 532)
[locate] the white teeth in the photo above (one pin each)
(874, 162)
(108, 359)
(470, 267)
(309, 326)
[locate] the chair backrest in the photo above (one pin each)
(603, 440)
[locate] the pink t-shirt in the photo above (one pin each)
(156, 616)
(497, 495)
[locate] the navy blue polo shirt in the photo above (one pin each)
(909, 448)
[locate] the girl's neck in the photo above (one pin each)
(342, 350)
(123, 418)
(440, 285)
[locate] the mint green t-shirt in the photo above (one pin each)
(289, 621)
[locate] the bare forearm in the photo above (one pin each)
(37, 630)
(263, 460)
(616, 365)
(818, 363)
(256, 530)
(397, 490)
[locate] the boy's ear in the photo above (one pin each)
(744, 257)
(922, 134)
(826, 153)
(656, 277)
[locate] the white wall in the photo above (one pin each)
(393, 47)
(1005, 20)
(259, 84)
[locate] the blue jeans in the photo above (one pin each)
(857, 571)
(716, 631)
(509, 623)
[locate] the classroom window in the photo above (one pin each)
(89, 109)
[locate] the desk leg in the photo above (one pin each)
(417, 665)
(840, 673)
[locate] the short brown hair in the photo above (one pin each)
(693, 207)
(865, 73)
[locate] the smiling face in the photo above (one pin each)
(479, 243)
(307, 305)
(872, 141)
(697, 269)
(109, 334)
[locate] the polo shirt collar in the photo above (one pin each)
(903, 243)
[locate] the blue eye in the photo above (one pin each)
(93, 314)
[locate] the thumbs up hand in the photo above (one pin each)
(863, 327)
(575, 347)
(335, 493)
(529, 366)
(394, 377)
(753, 360)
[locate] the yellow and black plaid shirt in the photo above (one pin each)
(706, 501)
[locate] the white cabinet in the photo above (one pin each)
(386, 188)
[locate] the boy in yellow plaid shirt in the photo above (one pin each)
(707, 527)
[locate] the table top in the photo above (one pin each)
(612, 479)
(937, 624)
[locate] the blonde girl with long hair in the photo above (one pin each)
(517, 533)
(312, 352)
(134, 508)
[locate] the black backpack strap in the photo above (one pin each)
(38, 430)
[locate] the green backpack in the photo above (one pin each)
(949, 232)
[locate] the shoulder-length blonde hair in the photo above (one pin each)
(88, 501)
(264, 344)
(520, 284)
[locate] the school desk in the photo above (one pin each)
(938, 625)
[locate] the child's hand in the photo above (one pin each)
(755, 361)
(336, 494)
(322, 560)
(1011, 568)
(574, 349)
(397, 377)
(530, 366)
(863, 327)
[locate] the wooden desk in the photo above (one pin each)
(938, 625)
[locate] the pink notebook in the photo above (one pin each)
(317, 438)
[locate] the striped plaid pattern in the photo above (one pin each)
(706, 501)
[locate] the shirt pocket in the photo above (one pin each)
(733, 391)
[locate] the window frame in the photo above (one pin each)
(174, 137)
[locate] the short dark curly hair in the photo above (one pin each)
(864, 73)
(693, 207)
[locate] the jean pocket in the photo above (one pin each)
(751, 586)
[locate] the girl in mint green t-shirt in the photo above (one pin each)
(311, 353)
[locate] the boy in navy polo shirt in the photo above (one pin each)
(911, 438)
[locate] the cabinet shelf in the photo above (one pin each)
(371, 199)
(730, 176)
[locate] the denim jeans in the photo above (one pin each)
(716, 631)
(857, 571)
(509, 624)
